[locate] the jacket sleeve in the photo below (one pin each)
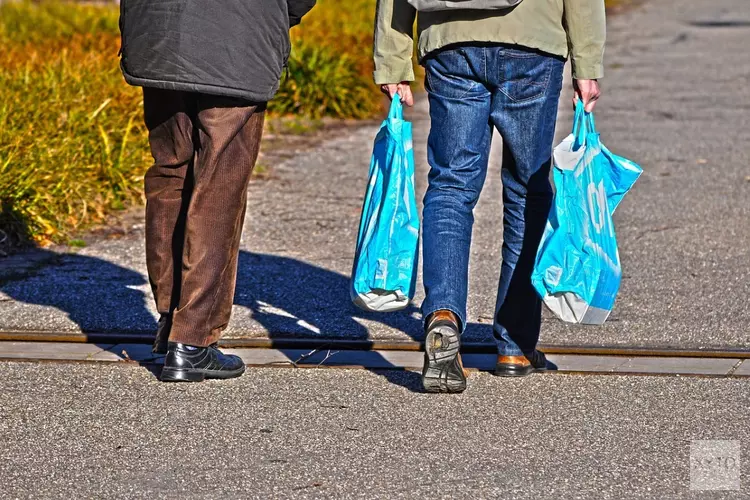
(585, 24)
(297, 9)
(394, 41)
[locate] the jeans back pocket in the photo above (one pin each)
(524, 75)
(451, 73)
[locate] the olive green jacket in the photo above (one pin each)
(567, 28)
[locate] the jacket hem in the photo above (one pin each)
(552, 48)
(247, 95)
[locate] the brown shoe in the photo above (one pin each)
(520, 366)
(443, 370)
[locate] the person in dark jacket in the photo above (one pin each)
(207, 68)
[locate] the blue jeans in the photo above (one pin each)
(472, 89)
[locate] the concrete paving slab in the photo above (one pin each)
(262, 357)
(50, 350)
(373, 360)
(129, 352)
(692, 366)
(743, 370)
(576, 363)
(331, 358)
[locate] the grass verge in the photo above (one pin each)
(73, 148)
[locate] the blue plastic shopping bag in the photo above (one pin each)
(577, 271)
(385, 262)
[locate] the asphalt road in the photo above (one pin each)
(113, 431)
(676, 100)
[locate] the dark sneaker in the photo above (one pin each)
(162, 334)
(443, 371)
(520, 366)
(185, 363)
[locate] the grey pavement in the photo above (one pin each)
(676, 100)
(113, 431)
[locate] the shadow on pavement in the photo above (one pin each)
(97, 295)
(408, 379)
(302, 300)
(291, 298)
(288, 297)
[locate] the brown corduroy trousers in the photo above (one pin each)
(204, 150)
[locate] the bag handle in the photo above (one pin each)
(397, 109)
(583, 124)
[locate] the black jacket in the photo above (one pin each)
(235, 48)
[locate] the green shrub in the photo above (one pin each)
(330, 68)
(320, 82)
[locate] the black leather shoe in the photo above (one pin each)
(520, 366)
(186, 363)
(162, 334)
(443, 371)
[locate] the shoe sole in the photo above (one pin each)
(517, 371)
(443, 371)
(182, 375)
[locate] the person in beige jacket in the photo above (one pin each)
(488, 69)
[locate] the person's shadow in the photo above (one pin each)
(288, 298)
(294, 299)
(102, 300)
(291, 298)
(98, 296)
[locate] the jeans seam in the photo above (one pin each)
(484, 53)
(516, 56)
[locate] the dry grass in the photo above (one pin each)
(72, 144)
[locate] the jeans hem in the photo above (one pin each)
(506, 352)
(461, 317)
(505, 347)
